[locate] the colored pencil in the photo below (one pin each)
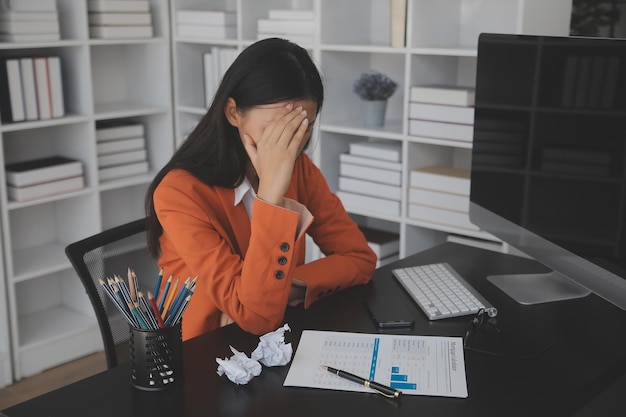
(170, 298)
(132, 289)
(147, 311)
(157, 284)
(168, 283)
(155, 310)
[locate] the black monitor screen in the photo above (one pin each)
(548, 159)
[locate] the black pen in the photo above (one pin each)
(379, 388)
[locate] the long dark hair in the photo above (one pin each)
(268, 71)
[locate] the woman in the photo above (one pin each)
(233, 204)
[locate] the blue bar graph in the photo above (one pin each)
(400, 381)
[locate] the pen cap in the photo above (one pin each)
(156, 357)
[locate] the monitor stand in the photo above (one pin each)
(531, 289)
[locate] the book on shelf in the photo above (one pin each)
(398, 23)
(23, 27)
(576, 162)
(17, 16)
(28, 5)
(42, 83)
(11, 97)
(120, 158)
(29, 90)
(609, 88)
(441, 216)
(120, 145)
(383, 243)
(370, 162)
(441, 94)
(120, 32)
(29, 37)
(290, 14)
(360, 203)
(439, 199)
(46, 189)
(118, 5)
(441, 113)
(295, 38)
(55, 81)
(206, 17)
(367, 187)
(580, 156)
(388, 151)
(501, 125)
(387, 260)
(226, 56)
(292, 27)
(206, 31)
(113, 130)
(379, 175)
(119, 19)
(441, 130)
(497, 160)
(215, 63)
(441, 178)
(570, 168)
(123, 170)
(474, 242)
(209, 69)
(35, 171)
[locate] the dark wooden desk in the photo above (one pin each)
(587, 354)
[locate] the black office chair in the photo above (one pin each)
(105, 254)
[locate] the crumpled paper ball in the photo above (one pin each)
(272, 350)
(240, 369)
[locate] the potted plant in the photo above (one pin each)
(374, 88)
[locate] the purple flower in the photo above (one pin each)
(374, 86)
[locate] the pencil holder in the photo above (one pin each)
(156, 357)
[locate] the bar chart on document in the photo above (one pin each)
(415, 365)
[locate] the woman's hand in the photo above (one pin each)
(273, 154)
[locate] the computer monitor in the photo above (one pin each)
(549, 161)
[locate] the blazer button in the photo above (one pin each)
(282, 260)
(279, 275)
(284, 247)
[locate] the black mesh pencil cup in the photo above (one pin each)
(156, 357)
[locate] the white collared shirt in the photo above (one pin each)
(244, 192)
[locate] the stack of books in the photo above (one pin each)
(44, 177)
(499, 143)
(206, 24)
(29, 21)
(440, 195)
(576, 162)
(31, 88)
(119, 19)
(442, 112)
(296, 25)
(386, 245)
(370, 177)
(215, 64)
(121, 150)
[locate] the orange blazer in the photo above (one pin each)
(245, 267)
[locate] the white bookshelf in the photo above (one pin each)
(353, 36)
(50, 318)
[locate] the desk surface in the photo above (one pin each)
(587, 338)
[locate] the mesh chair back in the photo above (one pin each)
(105, 255)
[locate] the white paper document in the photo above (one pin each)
(415, 365)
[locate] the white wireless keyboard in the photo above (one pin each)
(441, 292)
